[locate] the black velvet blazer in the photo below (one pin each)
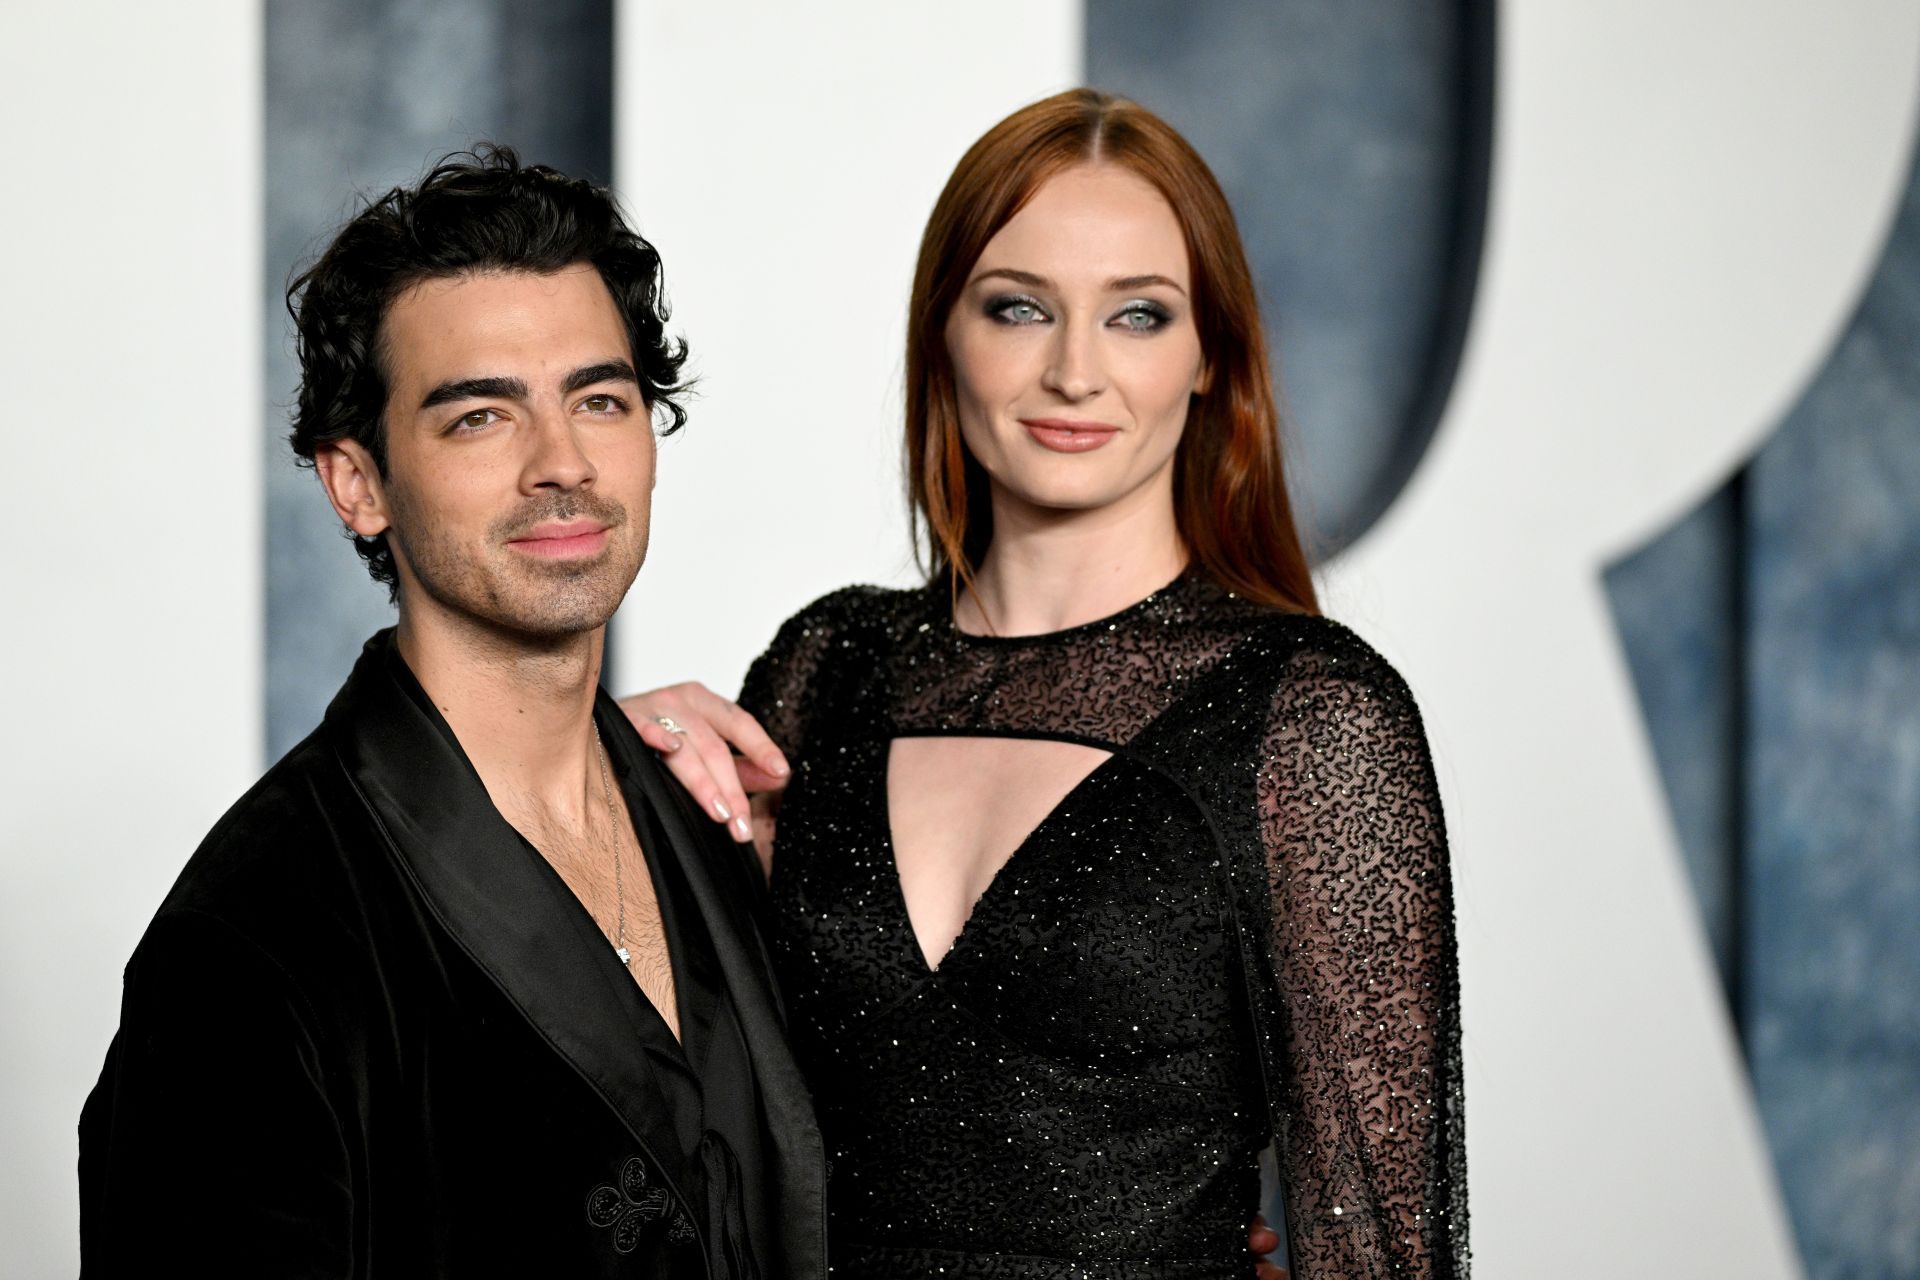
(371, 1032)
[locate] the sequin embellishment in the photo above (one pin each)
(1238, 931)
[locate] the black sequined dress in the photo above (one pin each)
(1237, 930)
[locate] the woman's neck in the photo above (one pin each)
(1050, 570)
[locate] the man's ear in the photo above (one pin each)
(353, 485)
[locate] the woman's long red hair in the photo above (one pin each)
(1230, 493)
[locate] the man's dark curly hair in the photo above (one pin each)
(479, 210)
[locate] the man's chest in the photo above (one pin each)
(611, 879)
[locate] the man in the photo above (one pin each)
(465, 985)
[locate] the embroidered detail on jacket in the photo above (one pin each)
(629, 1207)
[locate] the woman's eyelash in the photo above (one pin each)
(1143, 315)
(1001, 307)
(1147, 309)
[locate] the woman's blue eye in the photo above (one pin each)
(1142, 317)
(1016, 310)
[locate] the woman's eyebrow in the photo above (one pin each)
(1027, 278)
(1119, 284)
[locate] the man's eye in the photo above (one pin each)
(477, 420)
(602, 404)
(1016, 311)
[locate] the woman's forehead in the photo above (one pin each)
(1088, 226)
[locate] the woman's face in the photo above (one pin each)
(1074, 348)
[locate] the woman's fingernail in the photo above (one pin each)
(741, 831)
(720, 809)
(780, 769)
(672, 746)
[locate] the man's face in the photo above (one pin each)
(519, 452)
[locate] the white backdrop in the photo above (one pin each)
(129, 337)
(823, 134)
(1686, 200)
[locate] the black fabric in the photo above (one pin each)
(707, 1073)
(371, 1031)
(1237, 930)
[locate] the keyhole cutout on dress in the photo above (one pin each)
(959, 809)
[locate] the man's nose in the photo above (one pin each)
(556, 459)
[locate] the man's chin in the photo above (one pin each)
(554, 631)
(540, 604)
(562, 607)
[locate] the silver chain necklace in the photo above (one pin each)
(613, 830)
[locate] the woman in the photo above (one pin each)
(1105, 860)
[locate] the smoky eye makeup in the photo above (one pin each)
(1142, 315)
(1014, 309)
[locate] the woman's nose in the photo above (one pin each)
(1074, 371)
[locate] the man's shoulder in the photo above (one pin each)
(280, 851)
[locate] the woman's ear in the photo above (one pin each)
(353, 484)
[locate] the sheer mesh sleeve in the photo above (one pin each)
(784, 683)
(1374, 1157)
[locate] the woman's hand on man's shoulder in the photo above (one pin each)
(719, 753)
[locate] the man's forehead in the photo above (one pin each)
(441, 326)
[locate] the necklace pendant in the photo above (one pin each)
(626, 956)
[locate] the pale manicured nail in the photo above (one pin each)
(720, 809)
(741, 831)
(673, 745)
(780, 769)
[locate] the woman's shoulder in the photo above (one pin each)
(850, 621)
(1308, 655)
(849, 608)
(819, 649)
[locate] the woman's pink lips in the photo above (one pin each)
(1067, 435)
(563, 541)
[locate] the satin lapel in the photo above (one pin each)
(493, 893)
(702, 849)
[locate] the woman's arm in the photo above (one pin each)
(733, 758)
(1374, 1154)
(719, 752)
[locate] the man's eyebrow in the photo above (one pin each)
(475, 389)
(509, 388)
(605, 371)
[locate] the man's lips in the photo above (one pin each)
(1069, 435)
(562, 539)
